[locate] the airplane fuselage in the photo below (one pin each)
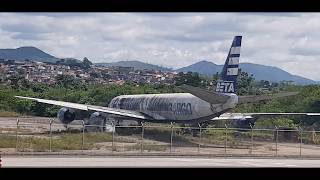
(196, 106)
(172, 107)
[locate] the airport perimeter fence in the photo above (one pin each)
(23, 137)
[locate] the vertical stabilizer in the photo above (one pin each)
(228, 77)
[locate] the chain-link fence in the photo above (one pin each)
(49, 136)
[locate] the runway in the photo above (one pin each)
(153, 162)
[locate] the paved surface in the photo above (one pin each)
(153, 162)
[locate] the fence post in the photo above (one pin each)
(226, 140)
(142, 134)
(300, 129)
(82, 141)
(50, 140)
(199, 138)
(114, 129)
(251, 152)
(171, 137)
(277, 133)
(17, 131)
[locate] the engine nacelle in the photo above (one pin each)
(96, 122)
(66, 115)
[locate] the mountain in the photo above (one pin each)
(135, 64)
(202, 67)
(260, 72)
(273, 74)
(23, 53)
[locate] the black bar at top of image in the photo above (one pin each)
(158, 6)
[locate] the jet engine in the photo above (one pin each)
(66, 115)
(96, 122)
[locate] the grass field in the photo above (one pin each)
(155, 139)
(9, 114)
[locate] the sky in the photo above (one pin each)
(290, 41)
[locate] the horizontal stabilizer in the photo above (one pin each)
(257, 98)
(208, 96)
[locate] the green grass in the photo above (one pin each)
(7, 141)
(73, 140)
(9, 114)
(235, 139)
(14, 130)
(33, 144)
(65, 141)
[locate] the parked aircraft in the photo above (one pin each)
(193, 107)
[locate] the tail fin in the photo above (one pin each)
(228, 77)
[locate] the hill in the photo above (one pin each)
(30, 53)
(260, 72)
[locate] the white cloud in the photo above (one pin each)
(286, 40)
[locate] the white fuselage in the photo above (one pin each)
(174, 106)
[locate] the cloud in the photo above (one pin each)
(24, 27)
(286, 40)
(28, 36)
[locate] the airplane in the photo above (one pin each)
(194, 107)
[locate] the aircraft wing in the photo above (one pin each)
(215, 98)
(257, 98)
(232, 116)
(86, 107)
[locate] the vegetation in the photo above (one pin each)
(73, 141)
(84, 64)
(9, 114)
(308, 100)
(70, 89)
(190, 78)
(67, 89)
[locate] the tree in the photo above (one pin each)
(190, 78)
(274, 84)
(215, 79)
(264, 84)
(14, 81)
(39, 88)
(245, 83)
(25, 84)
(67, 81)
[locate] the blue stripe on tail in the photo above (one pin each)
(229, 74)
